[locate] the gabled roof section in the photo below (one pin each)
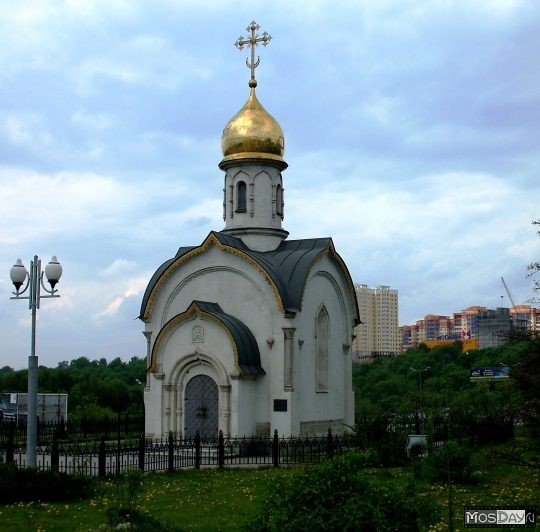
(286, 268)
(247, 358)
(291, 263)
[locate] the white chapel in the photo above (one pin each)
(249, 331)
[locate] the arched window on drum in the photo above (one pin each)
(241, 197)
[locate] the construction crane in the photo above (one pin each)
(508, 292)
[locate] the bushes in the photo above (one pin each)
(339, 494)
(32, 485)
(383, 435)
(452, 461)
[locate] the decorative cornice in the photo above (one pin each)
(246, 159)
(263, 231)
(288, 332)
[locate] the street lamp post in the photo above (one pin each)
(34, 283)
(420, 371)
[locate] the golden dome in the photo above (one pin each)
(252, 133)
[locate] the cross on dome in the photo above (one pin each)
(252, 42)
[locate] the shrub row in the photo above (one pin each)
(33, 485)
(340, 494)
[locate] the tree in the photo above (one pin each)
(526, 377)
(113, 394)
(534, 268)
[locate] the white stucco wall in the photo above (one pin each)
(326, 286)
(218, 277)
(241, 290)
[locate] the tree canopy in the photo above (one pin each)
(96, 387)
(437, 384)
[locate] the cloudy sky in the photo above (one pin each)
(411, 131)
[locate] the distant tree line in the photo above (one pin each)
(430, 390)
(96, 388)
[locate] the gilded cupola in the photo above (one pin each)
(252, 133)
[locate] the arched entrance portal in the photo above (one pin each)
(201, 407)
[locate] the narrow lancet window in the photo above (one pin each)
(241, 197)
(279, 200)
(322, 332)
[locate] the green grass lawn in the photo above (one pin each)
(501, 485)
(208, 499)
(213, 500)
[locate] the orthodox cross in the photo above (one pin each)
(253, 41)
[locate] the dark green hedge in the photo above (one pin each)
(32, 485)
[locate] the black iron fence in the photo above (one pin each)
(109, 457)
(125, 425)
(107, 447)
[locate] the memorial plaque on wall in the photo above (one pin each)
(280, 405)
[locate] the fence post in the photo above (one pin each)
(10, 449)
(118, 470)
(197, 450)
(63, 428)
(55, 454)
(329, 444)
(171, 451)
(221, 450)
(275, 449)
(142, 444)
(102, 456)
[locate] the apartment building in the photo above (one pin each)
(474, 322)
(378, 334)
(527, 314)
(466, 321)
